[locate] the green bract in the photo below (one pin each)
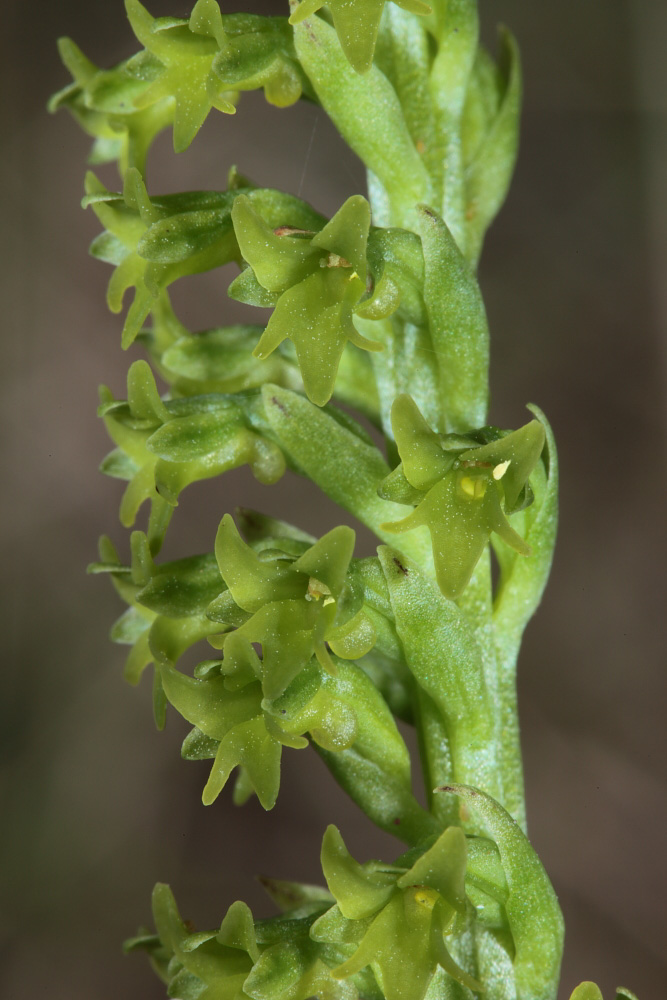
(532, 909)
(298, 643)
(463, 488)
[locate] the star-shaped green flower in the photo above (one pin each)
(176, 605)
(210, 965)
(103, 103)
(163, 447)
(356, 23)
(402, 913)
(463, 488)
(186, 48)
(154, 241)
(295, 607)
(316, 281)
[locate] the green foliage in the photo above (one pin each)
(297, 642)
(381, 930)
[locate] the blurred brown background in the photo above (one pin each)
(96, 806)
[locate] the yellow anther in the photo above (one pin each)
(474, 488)
(501, 469)
(426, 897)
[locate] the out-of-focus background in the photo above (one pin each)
(97, 806)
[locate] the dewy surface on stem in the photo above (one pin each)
(299, 642)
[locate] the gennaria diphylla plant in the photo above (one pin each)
(377, 308)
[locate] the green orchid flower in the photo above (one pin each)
(147, 239)
(292, 966)
(296, 605)
(210, 965)
(154, 241)
(186, 49)
(397, 915)
(356, 23)
(162, 447)
(463, 487)
(316, 282)
(174, 606)
(102, 102)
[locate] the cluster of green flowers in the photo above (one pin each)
(377, 308)
(399, 931)
(379, 930)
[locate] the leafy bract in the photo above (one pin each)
(368, 114)
(443, 656)
(337, 455)
(458, 326)
(534, 916)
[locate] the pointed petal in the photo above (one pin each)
(424, 461)
(346, 234)
(304, 10)
(522, 449)
(252, 582)
(328, 559)
(443, 868)
(358, 892)
(278, 261)
(249, 745)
